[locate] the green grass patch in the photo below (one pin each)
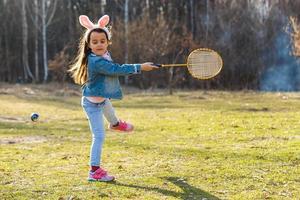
(191, 145)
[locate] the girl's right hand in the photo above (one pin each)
(148, 66)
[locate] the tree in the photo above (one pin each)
(46, 20)
(295, 35)
(27, 71)
(36, 40)
(126, 22)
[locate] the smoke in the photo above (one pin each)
(283, 69)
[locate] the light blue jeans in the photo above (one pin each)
(94, 113)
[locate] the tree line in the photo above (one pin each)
(257, 39)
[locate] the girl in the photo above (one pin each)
(94, 69)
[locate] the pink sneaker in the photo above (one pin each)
(123, 126)
(100, 175)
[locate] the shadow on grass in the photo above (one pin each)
(188, 191)
(264, 109)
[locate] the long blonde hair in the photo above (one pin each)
(78, 69)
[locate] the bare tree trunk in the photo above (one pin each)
(6, 43)
(126, 19)
(7, 55)
(192, 14)
(36, 41)
(148, 8)
(45, 24)
(26, 68)
(102, 6)
(24, 41)
(207, 20)
(44, 41)
(171, 82)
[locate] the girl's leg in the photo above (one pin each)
(95, 117)
(115, 123)
(109, 113)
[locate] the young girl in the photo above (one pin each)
(94, 69)
(108, 111)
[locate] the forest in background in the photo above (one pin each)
(259, 40)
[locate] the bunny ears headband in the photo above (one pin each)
(102, 22)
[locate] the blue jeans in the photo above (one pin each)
(94, 113)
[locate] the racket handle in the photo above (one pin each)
(170, 65)
(157, 65)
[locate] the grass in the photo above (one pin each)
(192, 145)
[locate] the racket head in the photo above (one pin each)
(204, 63)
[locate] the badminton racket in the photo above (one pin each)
(202, 63)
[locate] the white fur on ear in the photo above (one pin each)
(86, 22)
(103, 21)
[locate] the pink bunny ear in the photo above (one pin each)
(85, 22)
(103, 21)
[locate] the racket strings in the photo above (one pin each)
(203, 64)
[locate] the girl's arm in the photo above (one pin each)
(104, 66)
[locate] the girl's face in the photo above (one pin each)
(98, 43)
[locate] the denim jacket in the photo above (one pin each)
(103, 77)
